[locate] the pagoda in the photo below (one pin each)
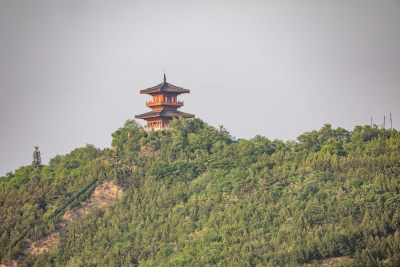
(164, 105)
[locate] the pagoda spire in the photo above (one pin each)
(165, 77)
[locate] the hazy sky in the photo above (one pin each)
(71, 71)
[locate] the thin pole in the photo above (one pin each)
(391, 130)
(384, 120)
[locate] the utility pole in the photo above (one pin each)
(391, 129)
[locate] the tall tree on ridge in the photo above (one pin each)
(36, 161)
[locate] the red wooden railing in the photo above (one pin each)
(151, 103)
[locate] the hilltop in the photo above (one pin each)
(193, 195)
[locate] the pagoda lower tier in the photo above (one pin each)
(161, 118)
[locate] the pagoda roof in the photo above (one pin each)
(164, 113)
(165, 87)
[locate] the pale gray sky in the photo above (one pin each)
(71, 71)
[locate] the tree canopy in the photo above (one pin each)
(197, 196)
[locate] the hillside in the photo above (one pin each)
(194, 195)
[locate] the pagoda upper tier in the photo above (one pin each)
(165, 87)
(164, 105)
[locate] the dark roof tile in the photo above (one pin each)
(164, 113)
(165, 87)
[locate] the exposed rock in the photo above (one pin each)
(102, 196)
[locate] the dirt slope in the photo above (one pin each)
(103, 195)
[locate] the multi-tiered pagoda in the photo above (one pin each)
(164, 105)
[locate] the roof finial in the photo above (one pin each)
(165, 77)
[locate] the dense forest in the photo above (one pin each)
(194, 195)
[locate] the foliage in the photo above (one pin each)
(196, 196)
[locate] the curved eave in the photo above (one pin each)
(164, 91)
(164, 114)
(165, 87)
(189, 116)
